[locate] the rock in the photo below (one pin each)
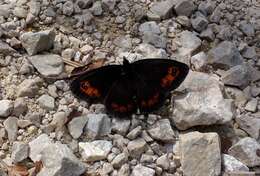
(200, 154)
(10, 125)
(20, 12)
(37, 42)
(96, 150)
(216, 15)
(58, 159)
(140, 170)
(163, 9)
(108, 5)
(162, 131)
(37, 145)
(98, 125)
(207, 7)
(159, 41)
(76, 126)
(250, 124)
(240, 173)
(231, 164)
(252, 105)
(224, 56)
(249, 52)
(237, 76)
(119, 160)
(199, 61)
(189, 43)
(20, 151)
(163, 162)
(120, 126)
(97, 8)
(247, 28)
(149, 26)
(199, 22)
(20, 107)
(149, 51)
(245, 150)
(208, 34)
(136, 147)
(46, 102)
(184, 7)
(68, 8)
(134, 133)
(203, 105)
(6, 108)
(29, 87)
(48, 65)
(184, 21)
(124, 170)
(6, 49)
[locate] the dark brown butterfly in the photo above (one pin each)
(142, 85)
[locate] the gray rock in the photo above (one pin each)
(207, 7)
(108, 5)
(76, 126)
(20, 107)
(208, 34)
(162, 131)
(58, 159)
(200, 154)
(199, 61)
(6, 49)
(120, 126)
(98, 125)
(35, 118)
(140, 170)
(136, 147)
(149, 26)
(245, 150)
(189, 43)
(2, 172)
(163, 162)
(216, 15)
(123, 42)
(20, 151)
(24, 123)
(85, 19)
(119, 160)
(35, 7)
(6, 108)
(249, 52)
(184, 7)
(48, 65)
(37, 146)
(204, 104)
(252, 105)
(199, 22)
(224, 32)
(68, 8)
(237, 76)
(231, 164)
(46, 102)
(20, 12)
(250, 124)
(96, 9)
(159, 41)
(224, 56)
(149, 51)
(124, 170)
(134, 133)
(96, 150)
(184, 21)
(163, 9)
(10, 125)
(37, 42)
(247, 28)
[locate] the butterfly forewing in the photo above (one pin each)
(95, 84)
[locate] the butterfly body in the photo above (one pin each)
(142, 85)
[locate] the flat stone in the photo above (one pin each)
(134, 133)
(96, 150)
(199, 22)
(46, 102)
(98, 125)
(124, 170)
(20, 151)
(29, 87)
(37, 145)
(184, 7)
(163, 162)
(6, 108)
(225, 55)
(149, 26)
(250, 124)
(207, 7)
(159, 41)
(149, 51)
(10, 125)
(119, 160)
(120, 126)
(204, 103)
(249, 52)
(208, 34)
(162, 131)
(136, 147)
(58, 159)
(163, 9)
(20, 107)
(140, 170)
(247, 28)
(20, 12)
(199, 61)
(251, 106)
(231, 164)
(47, 65)
(76, 126)
(200, 154)
(6, 49)
(37, 42)
(246, 150)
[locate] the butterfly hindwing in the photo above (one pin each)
(94, 84)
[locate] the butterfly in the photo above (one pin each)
(143, 85)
